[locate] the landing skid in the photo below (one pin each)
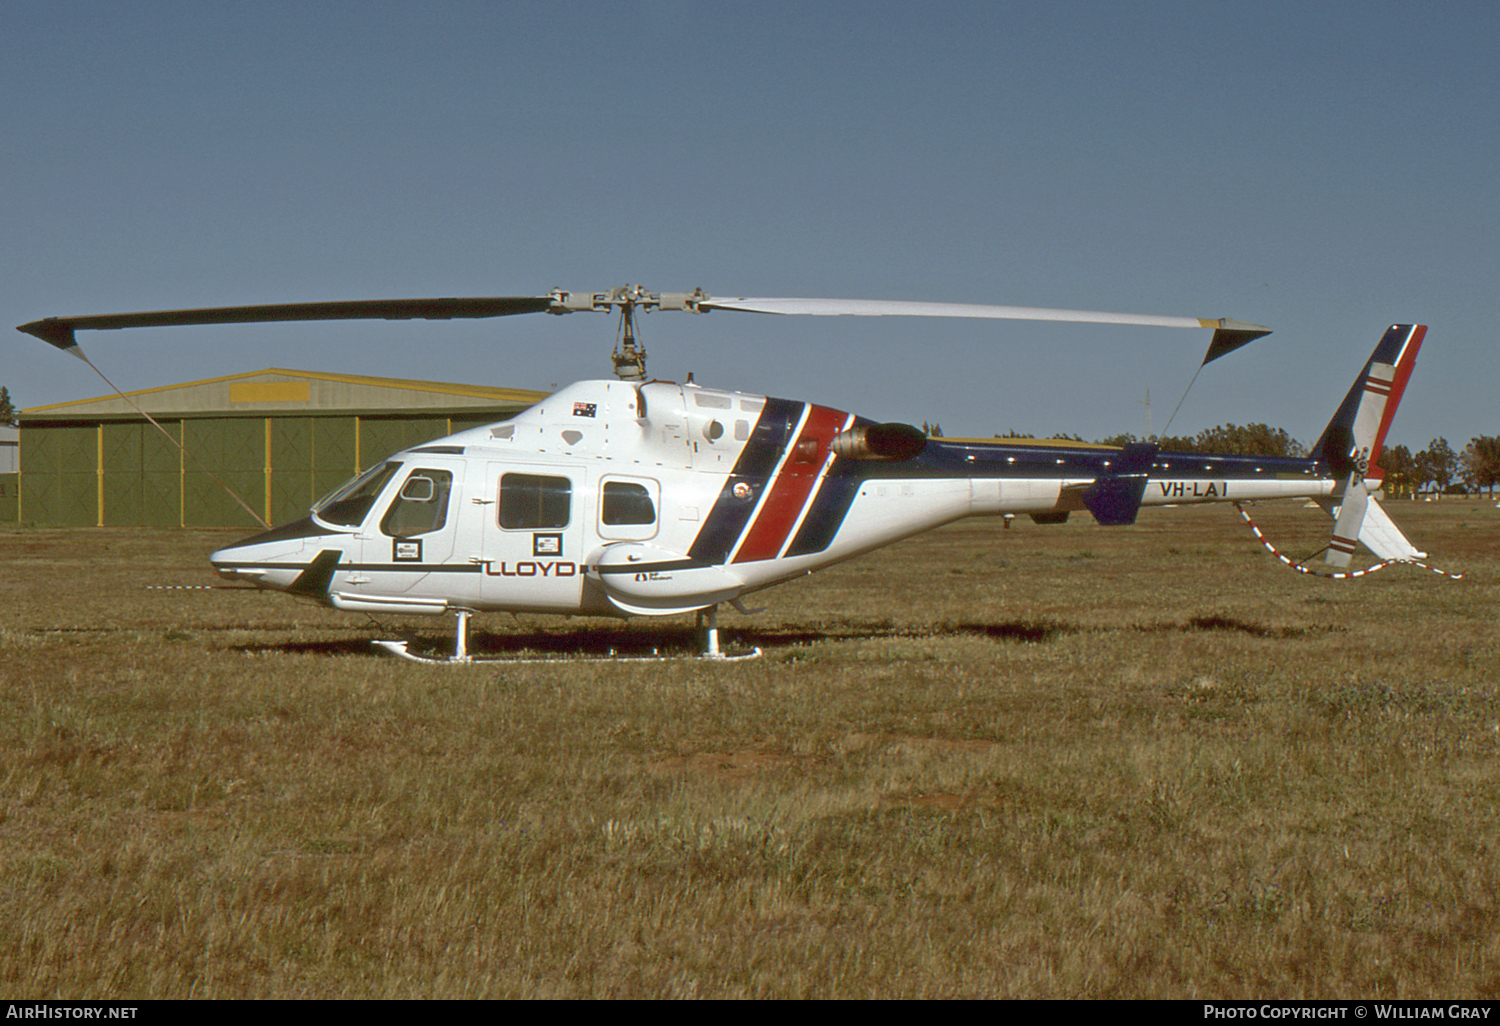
(708, 623)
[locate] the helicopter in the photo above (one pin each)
(645, 498)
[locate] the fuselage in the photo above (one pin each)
(624, 499)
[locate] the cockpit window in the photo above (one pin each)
(421, 506)
(529, 501)
(349, 506)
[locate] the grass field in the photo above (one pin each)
(1060, 761)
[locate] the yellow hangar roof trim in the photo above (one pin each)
(277, 388)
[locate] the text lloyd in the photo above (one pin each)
(530, 568)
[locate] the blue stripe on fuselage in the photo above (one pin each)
(987, 461)
(726, 521)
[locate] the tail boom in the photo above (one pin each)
(1340, 474)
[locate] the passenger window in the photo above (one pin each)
(529, 501)
(421, 507)
(626, 503)
(628, 508)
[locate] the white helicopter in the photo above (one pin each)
(650, 498)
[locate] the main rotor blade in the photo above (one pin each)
(59, 330)
(900, 308)
(1229, 334)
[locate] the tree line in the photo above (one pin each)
(1439, 468)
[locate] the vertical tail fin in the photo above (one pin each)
(1356, 434)
(1351, 443)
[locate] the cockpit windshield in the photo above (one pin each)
(350, 504)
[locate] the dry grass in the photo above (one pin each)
(1044, 762)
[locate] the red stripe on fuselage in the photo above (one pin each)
(793, 484)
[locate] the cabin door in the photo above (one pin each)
(407, 548)
(533, 537)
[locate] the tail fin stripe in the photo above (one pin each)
(1405, 360)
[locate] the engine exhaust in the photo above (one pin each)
(889, 443)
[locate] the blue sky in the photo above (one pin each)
(1321, 168)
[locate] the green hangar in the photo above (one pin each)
(280, 438)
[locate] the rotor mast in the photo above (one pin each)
(629, 356)
(629, 360)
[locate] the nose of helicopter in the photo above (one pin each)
(280, 559)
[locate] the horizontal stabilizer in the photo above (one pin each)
(1115, 498)
(1377, 532)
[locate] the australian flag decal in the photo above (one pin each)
(584, 409)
